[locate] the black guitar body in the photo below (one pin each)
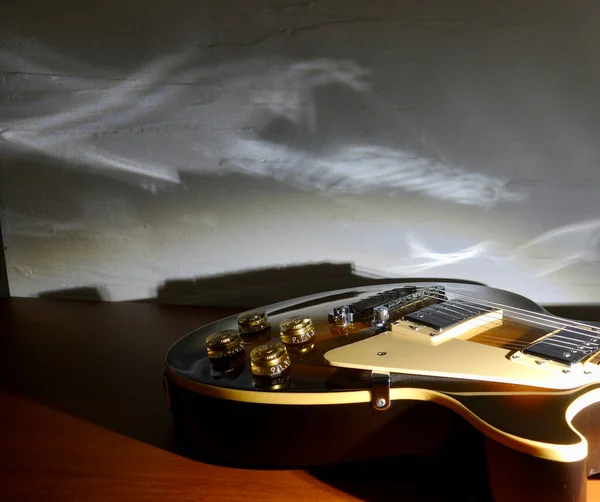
(521, 437)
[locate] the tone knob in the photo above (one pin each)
(271, 360)
(253, 322)
(298, 334)
(223, 344)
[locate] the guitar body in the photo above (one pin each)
(479, 389)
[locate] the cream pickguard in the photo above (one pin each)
(410, 349)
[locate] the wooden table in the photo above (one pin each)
(83, 417)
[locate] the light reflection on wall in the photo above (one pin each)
(564, 247)
(286, 91)
(165, 167)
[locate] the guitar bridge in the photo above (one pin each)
(387, 306)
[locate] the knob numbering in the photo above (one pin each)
(270, 360)
(224, 344)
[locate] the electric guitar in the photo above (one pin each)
(383, 371)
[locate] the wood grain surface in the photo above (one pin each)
(83, 417)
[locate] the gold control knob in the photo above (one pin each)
(252, 322)
(298, 334)
(270, 359)
(222, 344)
(296, 330)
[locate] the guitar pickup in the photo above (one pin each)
(450, 319)
(566, 346)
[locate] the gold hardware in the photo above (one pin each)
(270, 359)
(226, 343)
(253, 322)
(297, 331)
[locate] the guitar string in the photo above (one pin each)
(495, 338)
(454, 307)
(559, 344)
(488, 306)
(559, 339)
(510, 343)
(567, 343)
(480, 303)
(562, 325)
(497, 323)
(457, 308)
(527, 317)
(506, 343)
(549, 317)
(514, 343)
(470, 320)
(499, 341)
(507, 308)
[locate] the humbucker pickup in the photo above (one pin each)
(449, 319)
(446, 315)
(385, 307)
(567, 346)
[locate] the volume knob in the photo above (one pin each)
(297, 333)
(270, 360)
(253, 322)
(222, 344)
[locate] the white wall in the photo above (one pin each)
(146, 142)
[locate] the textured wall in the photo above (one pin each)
(147, 147)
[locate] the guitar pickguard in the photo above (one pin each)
(408, 353)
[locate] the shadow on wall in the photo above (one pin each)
(246, 289)
(270, 285)
(254, 288)
(85, 293)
